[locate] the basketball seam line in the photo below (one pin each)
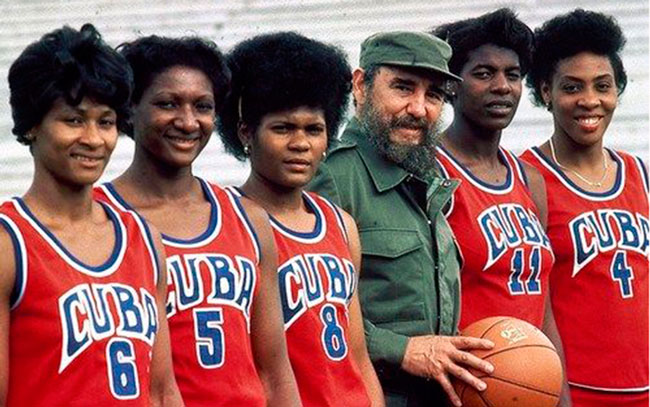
(528, 387)
(492, 326)
(518, 347)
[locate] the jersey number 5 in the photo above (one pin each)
(210, 347)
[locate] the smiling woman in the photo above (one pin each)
(72, 254)
(597, 211)
(222, 305)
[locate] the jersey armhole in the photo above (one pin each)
(151, 247)
(234, 194)
(339, 217)
(644, 172)
(20, 261)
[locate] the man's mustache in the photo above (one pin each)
(409, 122)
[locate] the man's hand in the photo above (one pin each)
(438, 357)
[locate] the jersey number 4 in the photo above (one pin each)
(518, 265)
(622, 273)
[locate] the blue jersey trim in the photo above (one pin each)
(613, 190)
(312, 207)
(644, 173)
(119, 238)
(502, 158)
(520, 164)
(212, 223)
(152, 246)
(237, 200)
(20, 278)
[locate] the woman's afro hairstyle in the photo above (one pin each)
(152, 55)
(570, 34)
(501, 28)
(68, 64)
(282, 71)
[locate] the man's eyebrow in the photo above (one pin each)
(402, 81)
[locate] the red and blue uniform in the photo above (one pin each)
(599, 284)
(506, 254)
(80, 335)
(212, 282)
(317, 280)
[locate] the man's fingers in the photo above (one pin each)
(468, 342)
(467, 359)
(448, 388)
(467, 377)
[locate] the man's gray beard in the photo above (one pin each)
(417, 159)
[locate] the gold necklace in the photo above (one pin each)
(598, 183)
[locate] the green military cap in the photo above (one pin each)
(407, 48)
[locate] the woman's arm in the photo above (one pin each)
(267, 329)
(7, 276)
(357, 336)
(538, 191)
(164, 390)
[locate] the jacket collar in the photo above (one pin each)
(384, 173)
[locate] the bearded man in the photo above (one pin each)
(381, 171)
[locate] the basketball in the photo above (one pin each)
(527, 369)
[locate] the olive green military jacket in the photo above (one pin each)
(409, 279)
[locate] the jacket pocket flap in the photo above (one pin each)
(389, 243)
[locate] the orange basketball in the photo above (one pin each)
(527, 370)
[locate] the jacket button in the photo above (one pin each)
(446, 183)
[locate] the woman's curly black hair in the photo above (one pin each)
(281, 71)
(149, 56)
(501, 28)
(569, 34)
(70, 64)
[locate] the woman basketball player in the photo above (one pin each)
(597, 211)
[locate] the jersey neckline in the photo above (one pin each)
(502, 188)
(214, 223)
(104, 269)
(614, 191)
(313, 236)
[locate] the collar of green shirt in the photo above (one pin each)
(384, 173)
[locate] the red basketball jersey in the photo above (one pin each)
(317, 281)
(506, 254)
(212, 281)
(599, 285)
(80, 335)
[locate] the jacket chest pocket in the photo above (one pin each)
(393, 275)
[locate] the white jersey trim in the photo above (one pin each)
(616, 190)
(107, 268)
(20, 253)
(611, 389)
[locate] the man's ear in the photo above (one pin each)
(359, 86)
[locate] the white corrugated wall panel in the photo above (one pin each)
(343, 22)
